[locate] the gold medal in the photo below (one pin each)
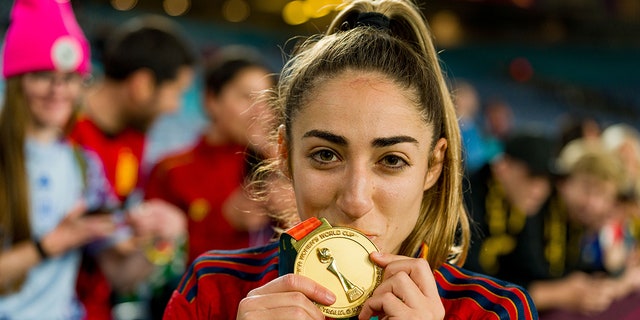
(338, 258)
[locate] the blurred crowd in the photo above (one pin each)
(88, 232)
(558, 213)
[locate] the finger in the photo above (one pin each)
(99, 226)
(595, 303)
(403, 288)
(382, 304)
(592, 306)
(140, 228)
(417, 269)
(170, 221)
(384, 259)
(285, 305)
(77, 210)
(141, 220)
(159, 206)
(138, 212)
(293, 282)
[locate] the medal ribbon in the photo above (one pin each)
(303, 228)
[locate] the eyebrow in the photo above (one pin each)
(377, 143)
(386, 142)
(333, 138)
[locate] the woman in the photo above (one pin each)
(46, 184)
(49, 187)
(217, 213)
(369, 139)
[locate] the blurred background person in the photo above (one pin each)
(475, 148)
(147, 67)
(504, 199)
(589, 184)
(571, 127)
(498, 118)
(624, 140)
(207, 181)
(498, 125)
(48, 185)
(42, 188)
(568, 248)
(589, 254)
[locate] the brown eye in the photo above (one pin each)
(325, 156)
(393, 162)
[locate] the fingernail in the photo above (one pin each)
(329, 296)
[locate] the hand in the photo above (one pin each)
(408, 290)
(76, 230)
(288, 297)
(157, 219)
(629, 281)
(244, 213)
(594, 295)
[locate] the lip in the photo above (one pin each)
(369, 235)
(373, 237)
(348, 226)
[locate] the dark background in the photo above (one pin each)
(545, 58)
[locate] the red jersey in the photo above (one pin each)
(121, 154)
(199, 181)
(216, 282)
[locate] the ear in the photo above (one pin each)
(283, 151)
(141, 85)
(437, 161)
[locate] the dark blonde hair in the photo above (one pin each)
(602, 165)
(14, 191)
(404, 53)
(15, 224)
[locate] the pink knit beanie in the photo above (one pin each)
(44, 35)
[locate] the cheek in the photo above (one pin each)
(52, 108)
(237, 113)
(33, 99)
(169, 101)
(310, 197)
(400, 203)
(406, 204)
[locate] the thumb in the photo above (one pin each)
(384, 259)
(77, 210)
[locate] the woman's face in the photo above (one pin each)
(51, 96)
(234, 109)
(589, 199)
(359, 156)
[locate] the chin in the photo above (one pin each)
(142, 125)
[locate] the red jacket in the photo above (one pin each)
(216, 282)
(199, 181)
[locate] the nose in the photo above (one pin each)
(539, 189)
(355, 198)
(57, 87)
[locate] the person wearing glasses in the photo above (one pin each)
(49, 186)
(46, 183)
